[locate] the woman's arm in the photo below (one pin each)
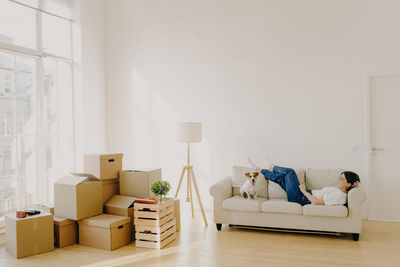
(313, 200)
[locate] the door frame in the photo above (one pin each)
(368, 141)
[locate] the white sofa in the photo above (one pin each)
(271, 208)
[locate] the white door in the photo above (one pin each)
(384, 199)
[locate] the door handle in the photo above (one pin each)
(377, 148)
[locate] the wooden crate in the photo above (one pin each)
(155, 224)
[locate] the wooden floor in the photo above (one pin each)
(197, 245)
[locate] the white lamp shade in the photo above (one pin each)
(189, 132)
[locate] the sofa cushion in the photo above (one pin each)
(320, 178)
(275, 191)
(239, 177)
(281, 206)
(238, 203)
(325, 211)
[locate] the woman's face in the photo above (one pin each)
(343, 184)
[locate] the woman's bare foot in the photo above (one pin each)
(269, 164)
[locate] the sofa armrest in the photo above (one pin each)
(356, 197)
(222, 189)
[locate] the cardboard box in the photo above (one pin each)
(65, 232)
(137, 183)
(177, 210)
(110, 188)
(105, 231)
(122, 206)
(30, 235)
(103, 166)
(78, 197)
(48, 207)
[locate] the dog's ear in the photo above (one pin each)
(255, 174)
(247, 174)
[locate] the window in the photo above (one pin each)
(17, 24)
(36, 104)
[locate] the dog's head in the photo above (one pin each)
(252, 176)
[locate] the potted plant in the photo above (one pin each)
(161, 188)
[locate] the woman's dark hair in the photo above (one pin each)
(351, 178)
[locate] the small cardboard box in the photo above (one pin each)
(105, 231)
(104, 166)
(30, 235)
(177, 210)
(65, 232)
(110, 188)
(137, 183)
(78, 197)
(122, 206)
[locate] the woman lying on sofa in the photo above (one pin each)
(298, 193)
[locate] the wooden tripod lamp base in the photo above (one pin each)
(191, 179)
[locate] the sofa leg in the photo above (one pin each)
(219, 226)
(356, 237)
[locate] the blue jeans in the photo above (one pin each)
(287, 179)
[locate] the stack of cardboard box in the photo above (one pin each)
(79, 202)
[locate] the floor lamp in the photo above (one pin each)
(190, 132)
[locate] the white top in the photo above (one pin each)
(331, 195)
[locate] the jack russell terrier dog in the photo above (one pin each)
(248, 189)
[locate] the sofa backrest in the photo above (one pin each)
(275, 191)
(239, 177)
(320, 178)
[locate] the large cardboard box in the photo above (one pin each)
(78, 197)
(65, 232)
(105, 231)
(110, 188)
(177, 211)
(30, 235)
(103, 166)
(137, 183)
(122, 206)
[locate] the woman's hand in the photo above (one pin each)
(313, 200)
(302, 188)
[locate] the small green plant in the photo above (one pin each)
(161, 188)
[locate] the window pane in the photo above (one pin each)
(56, 35)
(6, 119)
(27, 156)
(26, 191)
(51, 165)
(17, 24)
(49, 77)
(6, 73)
(8, 158)
(50, 99)
(25, 75)
(65, 117)
(26, 115)
(8, 197)
(50, 104)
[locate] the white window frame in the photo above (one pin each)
(40, 55)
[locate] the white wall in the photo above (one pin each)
(283, 78)
(89, 77)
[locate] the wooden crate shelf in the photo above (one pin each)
(155, 224)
